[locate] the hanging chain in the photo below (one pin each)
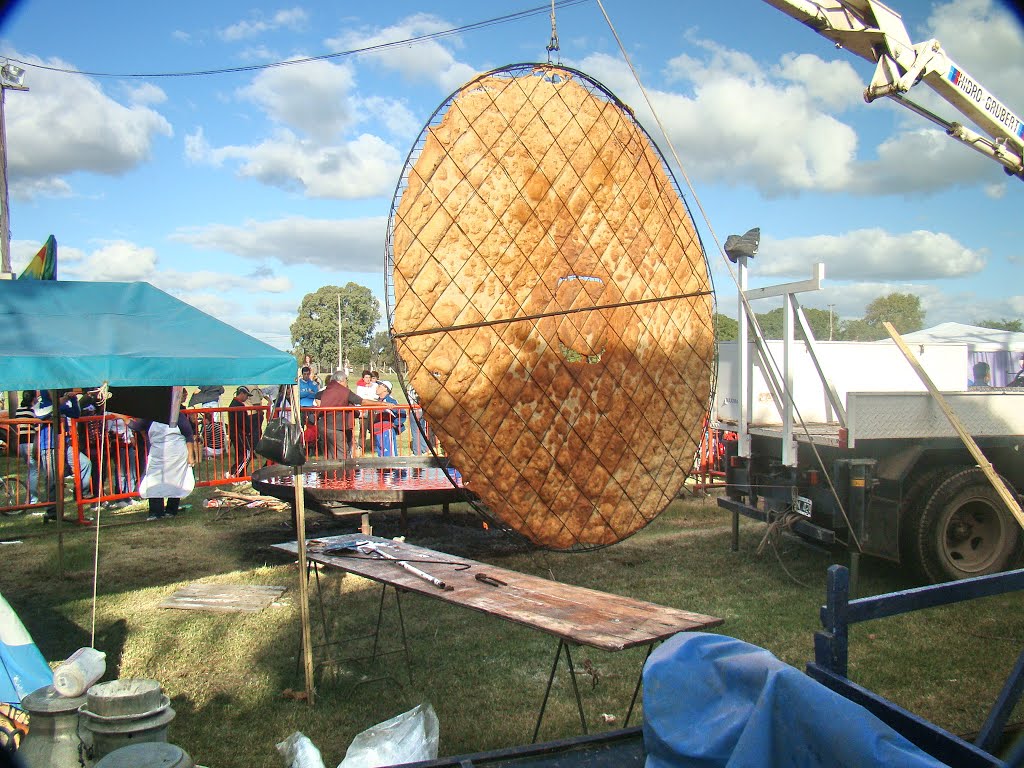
(553, 42)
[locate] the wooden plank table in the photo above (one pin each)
(574, 615)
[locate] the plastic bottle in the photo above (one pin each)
(82, 668)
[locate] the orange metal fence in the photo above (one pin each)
(711, 457)
(106, 458)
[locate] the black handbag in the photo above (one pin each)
(282, 443)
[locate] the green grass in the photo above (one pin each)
(227, 674)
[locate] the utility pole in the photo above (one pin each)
(341, 364)
(11, 78)
(830, 321)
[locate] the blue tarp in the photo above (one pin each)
(64, 334)
(711, 700)
(22, 667)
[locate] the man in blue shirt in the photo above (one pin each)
(307, 388)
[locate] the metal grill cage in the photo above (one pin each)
(550, 296)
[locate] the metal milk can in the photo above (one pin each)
(52, 740)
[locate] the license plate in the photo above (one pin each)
(802, 506)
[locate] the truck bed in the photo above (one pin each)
(909, 415)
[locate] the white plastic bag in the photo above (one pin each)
(299, 752)
(409, 737)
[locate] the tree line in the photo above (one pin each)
(903, 310)
(315, 330)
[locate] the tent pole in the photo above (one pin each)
(300, 534)
(57, 468)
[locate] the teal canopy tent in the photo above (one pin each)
(67, 334)
(62, 335)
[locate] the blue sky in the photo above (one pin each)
(241, 192)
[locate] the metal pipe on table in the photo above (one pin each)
(368, 547)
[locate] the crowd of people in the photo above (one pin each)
(156, 460)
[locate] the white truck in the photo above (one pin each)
(843, 444)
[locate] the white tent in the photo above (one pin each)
(1002, 350)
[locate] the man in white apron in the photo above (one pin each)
(172, 454)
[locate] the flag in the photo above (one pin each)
(44, 264)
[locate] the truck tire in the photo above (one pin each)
(964, 529)
(919, 488)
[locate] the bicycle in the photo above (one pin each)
(13, 492)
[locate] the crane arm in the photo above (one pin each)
(876, 33)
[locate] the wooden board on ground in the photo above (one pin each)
(223, 598)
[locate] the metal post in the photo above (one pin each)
(341, 363)
(788, 443)
(745, 390)
(10, 79)
(5, 212)
(832, 643)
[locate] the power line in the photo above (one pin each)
(517, 16)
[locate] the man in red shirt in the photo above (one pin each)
(335, 427)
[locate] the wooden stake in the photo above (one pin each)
(300, 533)
(1008, 497)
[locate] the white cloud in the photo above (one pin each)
(117, 261)
(396, 117)
(314, 150)
(995, 191)
(197, 148)
(292, 18)
(278, 284)
(365, 167)
(741, 125)
(353, 245)
(145, 93)
(988, 43)
(987, 40)
(734, 120)
(876, 253)
(69, 124)
(30, 189)
(833, 84)
(427, 61)
(850, 300)
(267, 320)
(216, 304)
(978, 308)
(187, 283)
(312, 98)
(260, 53)
(922, 161)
